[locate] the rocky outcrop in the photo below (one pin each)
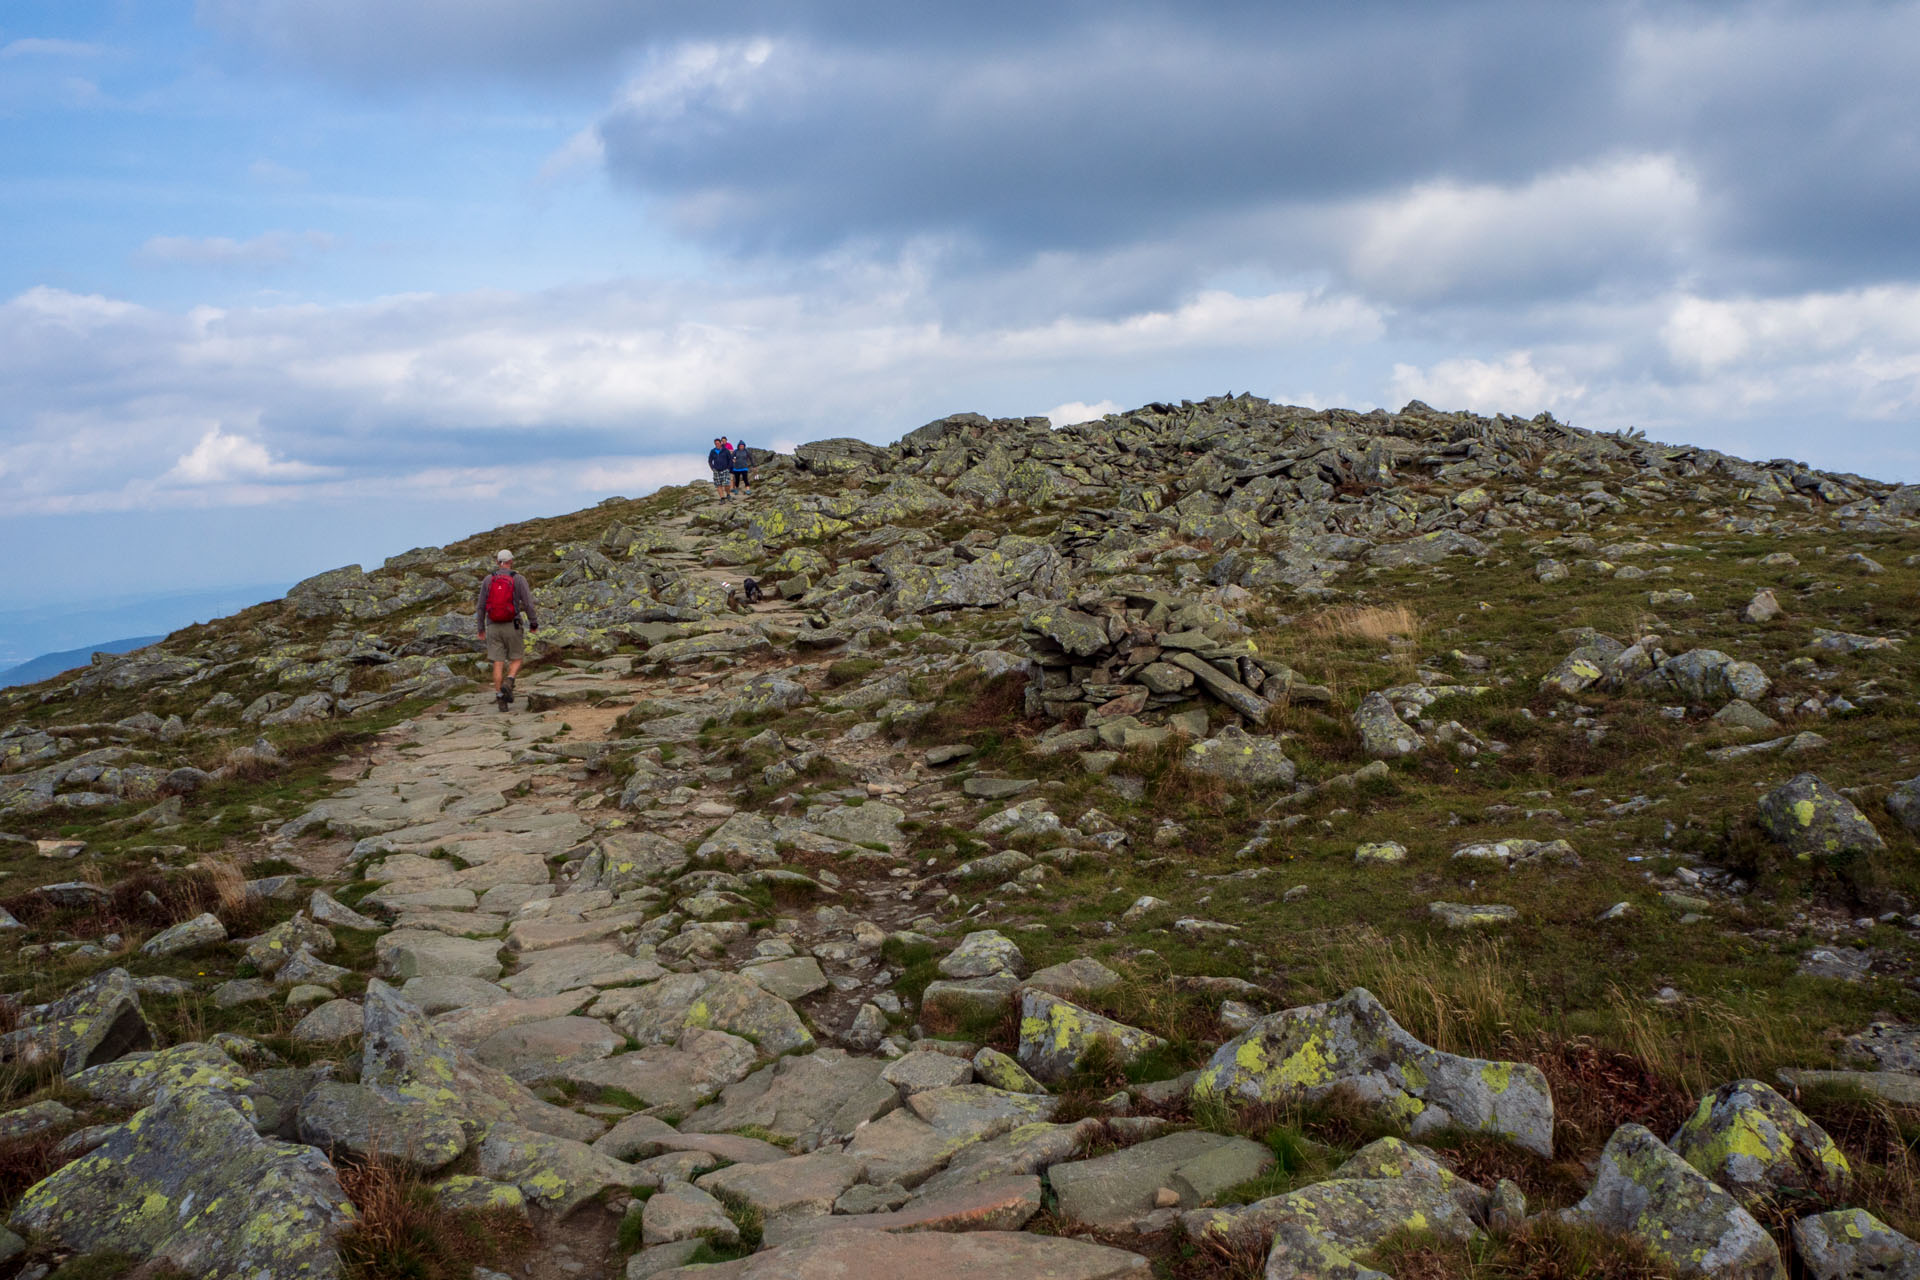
(1352, 1045)
(1645, 1192)
(188, 1180)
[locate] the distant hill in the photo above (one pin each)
(52, 664)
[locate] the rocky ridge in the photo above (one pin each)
(1042, 882)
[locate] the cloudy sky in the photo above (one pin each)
(289, 283)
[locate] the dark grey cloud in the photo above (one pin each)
(1243, 135)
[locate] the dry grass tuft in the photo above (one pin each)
(403, 1232)
(1373, 623)
(1546, 1249)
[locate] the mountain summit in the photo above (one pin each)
(1222, 839)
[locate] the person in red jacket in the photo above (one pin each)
(504, 596)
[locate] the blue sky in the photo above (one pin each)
(290, 283)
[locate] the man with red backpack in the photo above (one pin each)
(504, 596)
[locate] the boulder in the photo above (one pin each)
(1056, 1034)
(1852, 1244)
(1353, 1045)
(1322, 1229)
(419, 953)
(1903, 802)
(1241, 758)
(98, 1021)
(1755, 1143)
(992, 1067)
(142, 1079)
(680, 1211)
(1645, 1192)
(983, 954)
(407, 1061)
(1075, 979)
(803, 1186)
(558, 1174)
(203, 930)
(1711, 677)
(1114, 1189)
(188, 1181)
(1383, 735)
(805, 1100)
(1815, 822)
(537, 1052)
(353, 1120)
(723, 1001)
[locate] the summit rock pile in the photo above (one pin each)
(1224, 834)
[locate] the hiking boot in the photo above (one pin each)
(500, 698)
(506, 693)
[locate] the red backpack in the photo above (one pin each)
(500, 606)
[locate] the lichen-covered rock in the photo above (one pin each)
(1753, 1142)
(1579, 671)
(1816, 823)
(1383, 734)
(142, 1079)
(1320, 1230)
(1353, 1045)
(188, 1181)
(353, 1120)
(1113, 1189)
(1903, 802)
(982, 954)
(1711, 677)
(407, 1060)
(992, 1067)
(558, 1174)
(722, 1001)
(276, 946)
(1647, 1193)
(203, 930)
(98, 1021)
(1242, 758)
(467, 1191)
(1852, 1244)
(1056, 1034)
(1076, 633)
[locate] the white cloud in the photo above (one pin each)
(270, 249)
(697, 75)
(1712, 334)
(1589, 221)
(220, 458)
(1511, 385)
(1066, 415)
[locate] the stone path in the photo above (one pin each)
(576, 947)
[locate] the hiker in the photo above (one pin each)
(504, 596)
(742, 463)
(720, 462)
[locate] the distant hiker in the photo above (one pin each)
(720, 462)
(742, 463)
(504, 596)
(751, 589)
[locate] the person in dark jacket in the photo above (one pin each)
(742, 463)
(499, 613)
(720, 462)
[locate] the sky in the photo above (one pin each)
(286, 284)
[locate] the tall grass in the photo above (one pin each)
(1373, 623)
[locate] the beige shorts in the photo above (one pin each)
(505, 642)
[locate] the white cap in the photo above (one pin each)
(503, 556)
